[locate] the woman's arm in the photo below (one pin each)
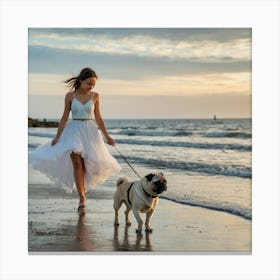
(99, 120)
(64, 118)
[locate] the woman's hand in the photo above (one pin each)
(110, 141)
(54, 141)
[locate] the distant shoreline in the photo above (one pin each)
(43, 122)
(40, 119)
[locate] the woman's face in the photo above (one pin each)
(88, 84)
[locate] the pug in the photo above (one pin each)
(140, 197)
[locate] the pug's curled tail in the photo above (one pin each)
(122, 180)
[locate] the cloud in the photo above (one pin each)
(131, 53)
(123, 66)
(174, 44)
(173, 34)
(188, 69)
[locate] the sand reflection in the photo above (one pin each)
(124, 239)
(84, 243)
(131, 241)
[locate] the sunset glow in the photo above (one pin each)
(174, 62)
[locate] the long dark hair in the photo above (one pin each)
(85, 73)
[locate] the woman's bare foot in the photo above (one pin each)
(82, 209)
(82, 206)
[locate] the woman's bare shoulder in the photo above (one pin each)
(69, 95)
(68, 98)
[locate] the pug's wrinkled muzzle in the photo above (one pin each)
(159, 187)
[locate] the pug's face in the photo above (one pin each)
(158, 182)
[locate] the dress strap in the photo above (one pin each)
(74, 94)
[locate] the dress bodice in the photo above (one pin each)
(82, 111)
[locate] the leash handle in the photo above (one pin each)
(127, 162)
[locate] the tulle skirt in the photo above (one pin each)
(81, 137)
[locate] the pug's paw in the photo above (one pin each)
(149, 230)
(138, 231)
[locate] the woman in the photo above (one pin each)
(78, 154)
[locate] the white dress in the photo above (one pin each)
(82, 137)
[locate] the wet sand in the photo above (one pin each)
(54, 226)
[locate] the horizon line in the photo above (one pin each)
(159, 118)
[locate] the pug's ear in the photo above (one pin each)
(150, 177)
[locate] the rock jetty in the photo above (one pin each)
(41, 123)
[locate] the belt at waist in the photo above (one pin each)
(82, 119)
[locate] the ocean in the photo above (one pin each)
(207, 163)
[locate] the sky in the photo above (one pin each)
(144, 72)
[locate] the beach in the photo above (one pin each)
(207, 207)
(55, 227)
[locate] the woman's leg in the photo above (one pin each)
(79, 172)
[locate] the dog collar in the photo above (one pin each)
(149, 195)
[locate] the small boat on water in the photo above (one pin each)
(215, 120)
